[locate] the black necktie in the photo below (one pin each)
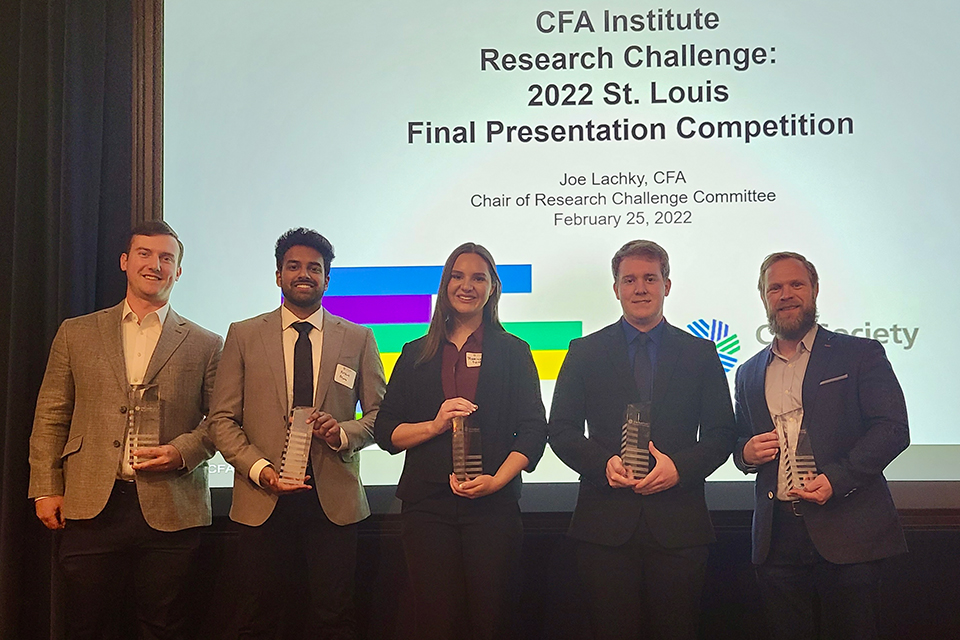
(642, 370)
(303, 366)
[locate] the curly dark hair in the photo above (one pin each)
(304, 237)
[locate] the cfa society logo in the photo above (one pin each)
(719, 333)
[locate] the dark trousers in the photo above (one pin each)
(296, 540)
(642, 589)
(463, 558)
(100, 557)
(797, 584)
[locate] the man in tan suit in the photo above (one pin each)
(297, 355)
(127, 510)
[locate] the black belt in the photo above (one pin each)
(790, 508)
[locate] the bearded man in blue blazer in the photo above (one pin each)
(820, 415)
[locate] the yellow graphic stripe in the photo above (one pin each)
(548, 362)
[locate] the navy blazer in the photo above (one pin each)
(856, 418)
(692, 422)
(509, 413)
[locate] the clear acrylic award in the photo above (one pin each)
(143, 419)
(806, 466)
(795, 448)
(296, 450)
(467, 453)
(635, 440)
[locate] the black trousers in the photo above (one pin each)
(297, 541)
(463, 558)
(642, 589)
(101, 556)
(806, 597)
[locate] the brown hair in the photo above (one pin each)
(773, 258)
(641, 249)
(151, 228)
(442, 311)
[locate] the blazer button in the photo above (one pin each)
(116, 444)
(123, 409)
(770, 495)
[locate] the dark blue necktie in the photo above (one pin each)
(642, 369)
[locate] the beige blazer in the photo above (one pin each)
(248, 419)
(81, 419)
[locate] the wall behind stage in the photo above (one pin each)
(724, 132)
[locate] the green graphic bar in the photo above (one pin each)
(723, 343)
(541, 336)
(546, 336)
(391, 337)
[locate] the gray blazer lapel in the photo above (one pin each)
(110, 334)
(333, 333)
(173, 334)
(271, 335)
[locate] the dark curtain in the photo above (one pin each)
(65, 157)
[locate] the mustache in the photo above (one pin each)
(798, 327)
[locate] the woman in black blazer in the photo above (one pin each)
(462, 539)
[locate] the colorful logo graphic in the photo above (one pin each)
(719, 333)
(396, 303)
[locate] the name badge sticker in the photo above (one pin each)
(345, 376)
(473, 359)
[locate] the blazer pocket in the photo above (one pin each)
(72, 446)
(837, 379)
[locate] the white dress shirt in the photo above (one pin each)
(290, 335)
(139, 338)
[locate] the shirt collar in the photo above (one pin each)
(806, 344)
(128, 312)
(630, 332)
(287, 318)
(476, 336)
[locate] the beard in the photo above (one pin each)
(303, 299)
(796, 328)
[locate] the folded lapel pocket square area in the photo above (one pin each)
(837, 379)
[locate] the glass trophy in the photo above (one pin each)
(143, 420)
(795, 447)
(467, 454)
(805, 465)
(635, 441)
(296, 450)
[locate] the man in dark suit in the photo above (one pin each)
(820, 415)
(642, 541)
(127, 511)
(298, 355)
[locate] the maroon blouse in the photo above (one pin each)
(460, 370)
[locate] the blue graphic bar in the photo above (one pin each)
(715, 331)
(412, 281)
(719, 330)
(728, 362)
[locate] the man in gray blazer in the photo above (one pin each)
(297, 355)
(127, 511)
